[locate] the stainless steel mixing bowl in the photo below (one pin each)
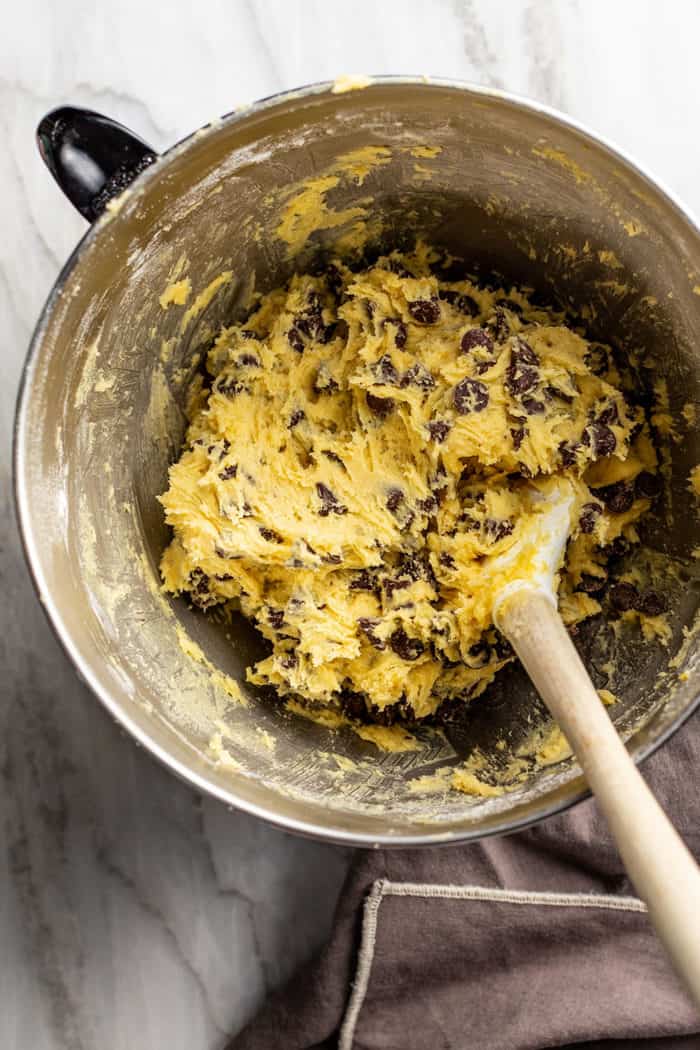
(513, 188)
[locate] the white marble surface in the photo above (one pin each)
(134, 914)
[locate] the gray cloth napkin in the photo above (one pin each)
(530, 941)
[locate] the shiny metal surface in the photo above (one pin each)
(515, 188)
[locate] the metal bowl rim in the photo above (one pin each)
(309, 829)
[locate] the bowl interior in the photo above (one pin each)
(508, 189)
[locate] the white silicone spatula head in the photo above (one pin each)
(532, 564)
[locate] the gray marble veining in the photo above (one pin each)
(132, 912)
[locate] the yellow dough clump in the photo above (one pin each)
(360, 460)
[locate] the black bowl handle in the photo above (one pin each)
(91, 157)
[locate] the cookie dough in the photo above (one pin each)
(357, 456)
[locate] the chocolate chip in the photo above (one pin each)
(414, 566)
(248, 333)
(618, 498)
(522, 374)
(199, 581)
(591, 584)
(481, 652)
(469, 523)
(368, 627)
(470, 395)
(289, 661)
(401, 333)
(353, 705)
(518, 437)
(589, 514)
(199, 589)
(651, 603)
(475, 337)
(531, 405)
(228, 472)
(394, 498)
(310, 322)
(519, 380)
(502, 646)
(466, 305)
(554, 391)
(428, 506)
(395, 583)
(510, 304)
(405, 647)
(363, 581)
(461, 302)
(496, 529)
(229, 388)
(386, 372)
(499, 325)
(330, 504)
(275, 618)
(438, 430)
(524, 354)
(604, 442)
(331, 559)
(648, 485)
(295, 340)
(270, 535)
(418, 375)
(447, 560)
(248, 361)
(425, 311)
(380, 406)
(224, 578)
(296, 417)
(391, 714)
(567, 451)
(305, 325)
(624, 596)
(608, 415)
(333, 457)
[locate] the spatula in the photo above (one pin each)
(660, 866)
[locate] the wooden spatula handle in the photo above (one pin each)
(660, 866)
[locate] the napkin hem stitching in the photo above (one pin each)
(504, 896)
(385, 888)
